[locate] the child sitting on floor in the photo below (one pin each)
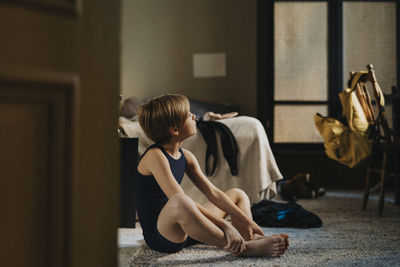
(169, 218)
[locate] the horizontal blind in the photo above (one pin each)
(295, 123)
(369, 37)
(301, 51)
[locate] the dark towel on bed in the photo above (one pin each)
(230, 149)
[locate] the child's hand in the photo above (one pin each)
(234, 241)
(255, 229)
(248, 229)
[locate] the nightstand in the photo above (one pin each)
(129, 161)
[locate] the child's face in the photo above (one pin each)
(189, 128)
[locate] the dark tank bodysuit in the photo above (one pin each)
(150, 199)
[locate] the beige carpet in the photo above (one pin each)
(348, 237)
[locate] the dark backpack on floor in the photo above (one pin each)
(273, 214)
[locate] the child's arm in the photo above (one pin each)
(219, 198)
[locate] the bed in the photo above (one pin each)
(258, 171)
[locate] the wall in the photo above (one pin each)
(159, 38)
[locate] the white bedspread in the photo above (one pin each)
(258, 170)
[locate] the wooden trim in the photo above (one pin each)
(299, 148)
(279, 102)
(335, 56)
(72, 8)
(398, 43)
(265, 65)
(59, 92)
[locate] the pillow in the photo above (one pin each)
(130, 107)
(199, 108)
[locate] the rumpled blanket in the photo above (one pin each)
(258, 170)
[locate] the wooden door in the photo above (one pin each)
(59, 87)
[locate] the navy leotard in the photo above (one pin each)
(150, 200)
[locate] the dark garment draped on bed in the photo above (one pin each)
(230, 149)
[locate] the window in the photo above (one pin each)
(369, 35)
(300, 70)
(306, 50)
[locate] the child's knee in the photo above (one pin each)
(181, 203)
(237, 193)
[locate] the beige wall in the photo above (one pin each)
(159, 38)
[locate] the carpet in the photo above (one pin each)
(348, 237)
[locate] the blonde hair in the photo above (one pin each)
(159, 114)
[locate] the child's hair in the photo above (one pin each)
(159, 114)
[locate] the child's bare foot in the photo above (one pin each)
(265, 246)
(285, 236)
(286, 239)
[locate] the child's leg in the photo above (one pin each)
(180, 217)
(240, 198)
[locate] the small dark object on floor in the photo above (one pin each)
(273, 214)
(300, 186)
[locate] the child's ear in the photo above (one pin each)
(173, 130)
